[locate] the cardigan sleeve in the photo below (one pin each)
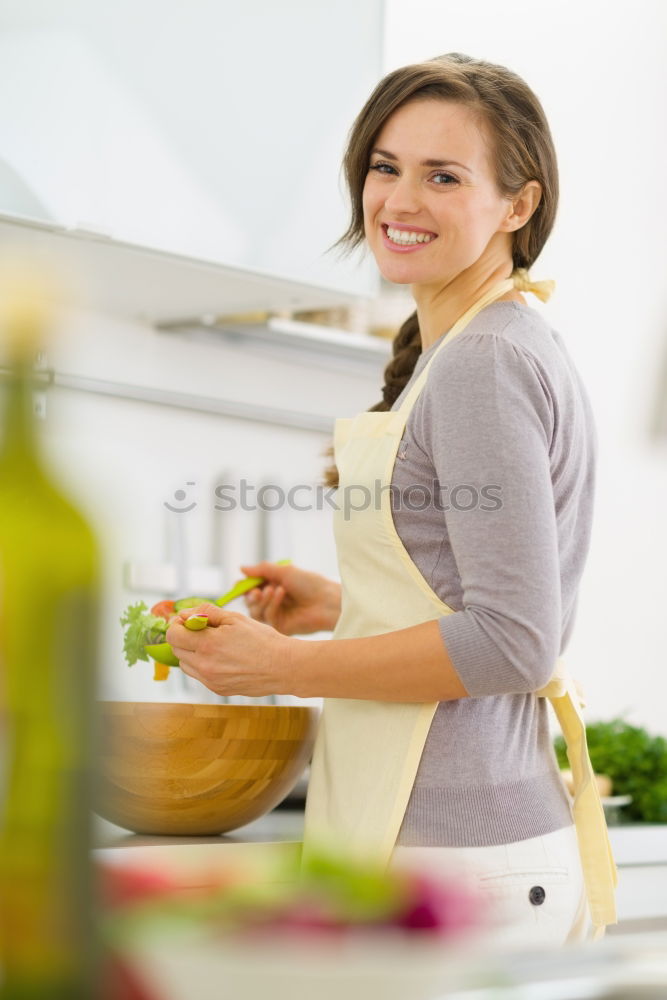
(488, 422)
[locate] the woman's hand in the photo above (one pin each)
(234, 655)
(293, 601)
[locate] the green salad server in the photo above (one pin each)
(163, 653)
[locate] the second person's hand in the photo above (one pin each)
(294, 601)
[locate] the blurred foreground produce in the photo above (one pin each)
(202, 927)
(635, 761)
(330, 895)
(48, 609)
(269, 927)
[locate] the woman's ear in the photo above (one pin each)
(522, 207)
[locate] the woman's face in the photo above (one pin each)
(431, 205)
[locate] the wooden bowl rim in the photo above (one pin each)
(109, 703)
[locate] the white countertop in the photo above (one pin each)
(271, 845)
(279, 826)
(638, 844)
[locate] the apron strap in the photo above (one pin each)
(520, 280)
(597, 860)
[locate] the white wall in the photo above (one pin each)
(210, 128)
(600, 69)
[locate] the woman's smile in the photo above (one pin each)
(402, 238)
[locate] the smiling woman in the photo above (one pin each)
(504, 111)
(447, 220)
(451, 616)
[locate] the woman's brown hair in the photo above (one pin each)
(523, 151)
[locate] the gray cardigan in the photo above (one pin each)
(493, 490)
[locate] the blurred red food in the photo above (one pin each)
(119, 981)
(442, 907)
(127, 884)
(163, 609)
(119, 886)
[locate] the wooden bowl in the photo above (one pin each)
(197, 769)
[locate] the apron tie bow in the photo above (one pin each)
(523, 283)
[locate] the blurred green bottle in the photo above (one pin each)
(48, 614)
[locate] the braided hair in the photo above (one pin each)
(406, 348)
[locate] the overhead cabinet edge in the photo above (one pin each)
(153, 286)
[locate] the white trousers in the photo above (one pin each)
(531, 892)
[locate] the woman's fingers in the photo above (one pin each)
(188, 669)
(255, 601)
(273, 606)
(259, 597)
(264, 604)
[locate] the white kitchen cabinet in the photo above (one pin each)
(152, 286)
(641, 855)
(212, 129)
(642, 893)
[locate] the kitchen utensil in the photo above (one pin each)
(163, 653)
(241, 586)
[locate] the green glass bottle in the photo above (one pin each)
(48, 612)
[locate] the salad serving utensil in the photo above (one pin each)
(164, 654)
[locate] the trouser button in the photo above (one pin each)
(537, 895)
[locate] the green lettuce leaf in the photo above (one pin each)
(141, 629)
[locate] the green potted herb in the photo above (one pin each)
(635, 761)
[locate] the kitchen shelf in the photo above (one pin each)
(152, 286)
(304, 342)
(220, 406)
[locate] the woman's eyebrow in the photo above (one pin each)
(424, 163)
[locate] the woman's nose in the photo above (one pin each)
(403, 197)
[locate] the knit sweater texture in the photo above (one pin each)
(492, 497)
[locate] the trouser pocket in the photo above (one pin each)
(531, 892)
(532, 906)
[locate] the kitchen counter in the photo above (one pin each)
(279, 826)
(633, 844)
(270, 845)
(640, 851)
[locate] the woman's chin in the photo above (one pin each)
(412, 278)
(399, 272)
(405, 268)
(392, 279)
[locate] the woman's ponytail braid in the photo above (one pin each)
(406, 349)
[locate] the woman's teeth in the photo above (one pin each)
(405, 237)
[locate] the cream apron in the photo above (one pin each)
(367, 752)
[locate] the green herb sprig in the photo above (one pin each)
(635, 761)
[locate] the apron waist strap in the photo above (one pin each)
(597, 860)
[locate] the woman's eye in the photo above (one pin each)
(382, 168)
(443, 178)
